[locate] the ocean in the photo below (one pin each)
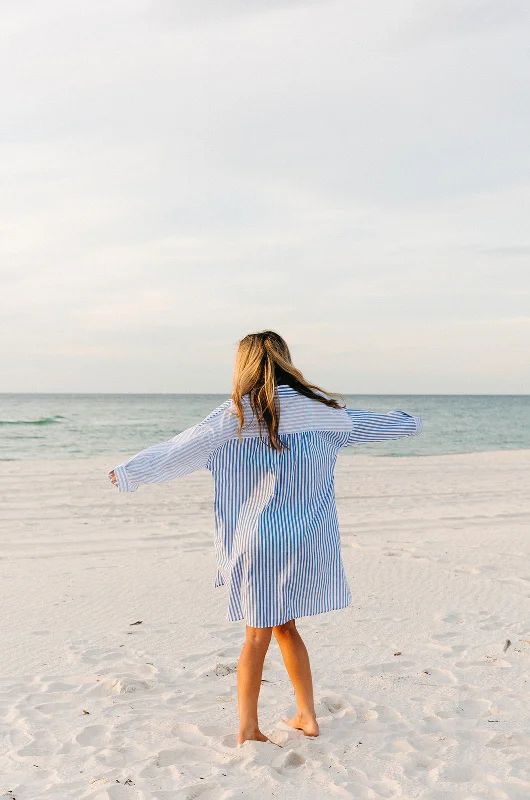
(41, 426)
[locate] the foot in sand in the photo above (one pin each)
(254, 736)
(301, 722)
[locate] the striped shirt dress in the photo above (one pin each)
(276, 538)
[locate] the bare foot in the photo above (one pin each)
(253, 736)
(307, 724)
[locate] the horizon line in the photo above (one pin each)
(351, 394)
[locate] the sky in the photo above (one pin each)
(353, 175)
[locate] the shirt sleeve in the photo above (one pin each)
(371, 426)
(178, 456)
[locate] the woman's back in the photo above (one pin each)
(276, 535)
(276, 532)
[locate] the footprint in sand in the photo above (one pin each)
(465, 713)
(474, 709)
(466, 568)
(43, 744)
(221, 670)
(113, 758)
(399, 745)
(172, 758)
(100, 656)
(443, 637)
(193, 658)
(230, 740)
(422, 763)
(490, 623)
(519, 767)
(231, 634)
(206, 791)
(460, 773)
(117, 686)
(60, 687)
(188, 733)
(288, 761)
(512, 742)
(93, 736)
(386, 787)
(490, 661)
(334, 704)
(439, 676)
(454, 618)
(387, 714)
(455, 650)
(230, 652)
(386, 667)
(49, 709)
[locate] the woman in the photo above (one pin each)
(271, 450)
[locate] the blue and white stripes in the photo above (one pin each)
(276, 538)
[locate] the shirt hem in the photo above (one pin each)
(283, 618)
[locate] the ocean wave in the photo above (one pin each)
(41, 421)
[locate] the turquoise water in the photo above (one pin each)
(37, 426)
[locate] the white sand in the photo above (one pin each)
(415, 694)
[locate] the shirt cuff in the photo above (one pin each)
(123, 481)
(418, 421)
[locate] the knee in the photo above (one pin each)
(259, 637)
(286, 629)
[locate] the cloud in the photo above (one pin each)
(443, 19)
(502, 251)
(355, 175)
(211, 11)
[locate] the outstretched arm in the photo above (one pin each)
(181, 455)
(371, 426)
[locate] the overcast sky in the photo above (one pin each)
(354, 175)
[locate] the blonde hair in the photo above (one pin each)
(263, 361)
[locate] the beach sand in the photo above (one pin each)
(118, 666)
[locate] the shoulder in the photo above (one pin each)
(218, 412)
(299, 412)
(221, 423)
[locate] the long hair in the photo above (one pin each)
(263, 361)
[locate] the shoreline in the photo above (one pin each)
(119, 457)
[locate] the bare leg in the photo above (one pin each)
(249, 672)
(296, 661)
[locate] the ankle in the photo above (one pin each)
(306, 713)
(250, 734)
(249, 729)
